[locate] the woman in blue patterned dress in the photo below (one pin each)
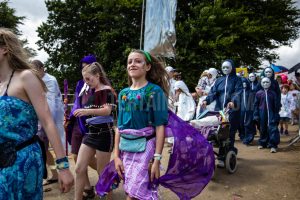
(22, 103)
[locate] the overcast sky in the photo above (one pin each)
(35, 12)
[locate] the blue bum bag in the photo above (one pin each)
(134, 144)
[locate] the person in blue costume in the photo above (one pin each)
(253, 82)
(266, 109)
(247, 127)
(22, 104)
(269, 72)
(226, 91)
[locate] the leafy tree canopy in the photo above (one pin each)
(105, 28)
(246, 31)
(208, 31)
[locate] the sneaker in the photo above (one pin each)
(246, 143)
(260, 147)
(286, 132)
(273, 150)
(220, 164)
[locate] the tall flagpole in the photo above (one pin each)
(142, 24)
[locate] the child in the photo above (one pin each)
(247, 127)
(279, 80)
(76, 129)
(269, 73)
(295, 94)
(266, 109)
(142, 112)
(285, 112)
(185, 104)
(100, 137)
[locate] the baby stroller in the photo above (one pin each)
(214, 126)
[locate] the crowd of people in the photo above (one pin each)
(264, 101)
(130, 124)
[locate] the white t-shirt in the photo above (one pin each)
(55, 103)
(288, 105)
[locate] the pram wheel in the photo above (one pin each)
(231, 162)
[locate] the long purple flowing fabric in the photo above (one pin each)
(190, 166)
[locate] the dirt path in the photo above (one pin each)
(260, 176)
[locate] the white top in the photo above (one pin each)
(288, 104)
(55, 103)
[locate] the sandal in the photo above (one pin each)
(89, 193)
(50, 181)
(47, 190)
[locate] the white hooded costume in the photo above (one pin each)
(185, 104)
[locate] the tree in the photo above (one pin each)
(246, 31)
(208, 31)
(105, 28)
(11, 21)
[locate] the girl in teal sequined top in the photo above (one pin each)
(143, 111)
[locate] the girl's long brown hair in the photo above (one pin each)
(157, 73)
(16, 55)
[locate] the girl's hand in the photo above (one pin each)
(80, 112)
(66, 180)
(155, 172)
(119, 166)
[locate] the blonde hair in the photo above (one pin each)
(204, 73)
(96, 68)
(17, 57)
(157, 73)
